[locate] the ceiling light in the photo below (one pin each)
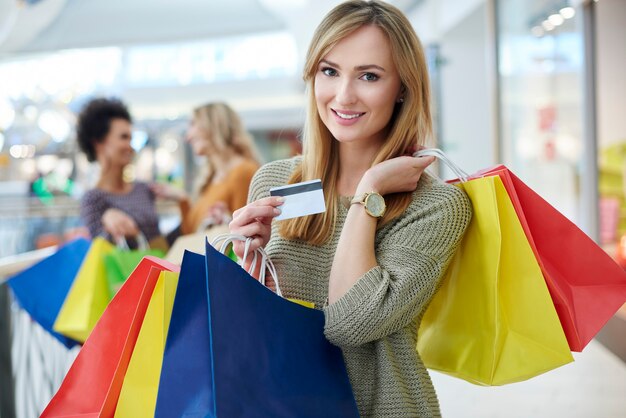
(547, 25)
(556, 19)
(567, 12)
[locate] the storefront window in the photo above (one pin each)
(541, 77)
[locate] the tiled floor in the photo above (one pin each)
(594, 386)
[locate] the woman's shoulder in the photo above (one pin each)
(244, 169)
(441, 199)
(92, 196)
(279, 169)
(272, 174)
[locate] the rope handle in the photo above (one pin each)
(142, 242)
(436, 152)
(221, 243)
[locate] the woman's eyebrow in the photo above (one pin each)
(357, 68)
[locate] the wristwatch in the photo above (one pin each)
(373, 202)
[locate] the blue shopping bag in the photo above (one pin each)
(253, 354)
(41, 289)
(185, 387)
(270, 356)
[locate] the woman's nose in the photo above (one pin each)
(345, 94)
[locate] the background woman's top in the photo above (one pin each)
(232, 190)
(375, 323)
(138, 204)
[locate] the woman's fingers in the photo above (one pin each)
(263, 208)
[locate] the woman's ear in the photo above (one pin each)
(401, 93)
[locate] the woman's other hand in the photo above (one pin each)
(119, 224)
(255, 221)
(168, 192)
(217, 214)
(396, 175)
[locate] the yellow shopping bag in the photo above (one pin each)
(89, 295)
(492, 322)
(141, 382)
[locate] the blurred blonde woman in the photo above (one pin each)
(217, 133)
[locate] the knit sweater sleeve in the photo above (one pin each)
(275, 173)
(412, 258)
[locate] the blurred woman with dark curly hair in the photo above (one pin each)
(115, 208)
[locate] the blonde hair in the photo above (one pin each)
(409, 127)
(223, 127)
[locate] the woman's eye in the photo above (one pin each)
(331, 72)
(369, 77)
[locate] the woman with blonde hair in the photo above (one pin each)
(372, 261)
(217, 133)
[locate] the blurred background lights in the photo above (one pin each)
(55, 125)
(7, 114)
(556, 19)
(22, 151)
(567, 12)
(1, 141)
(138, 140)
(170, 144)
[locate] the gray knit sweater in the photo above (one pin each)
(375, 323)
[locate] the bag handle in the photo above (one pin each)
(436, 152)
(221, 243)
(142, 242)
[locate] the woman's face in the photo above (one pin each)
(197, 138)
(115, 149)
(357, 86)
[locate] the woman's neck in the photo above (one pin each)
(224, 163)
(112, 180)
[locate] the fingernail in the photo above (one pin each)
(280, 199)
(277, 211)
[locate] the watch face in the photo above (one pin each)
(375, 204)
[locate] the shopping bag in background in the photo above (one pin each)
(88, 296)
(122, 260)
(42, 288)
(186, 383)
(492, 322)
(92, 385)
(141, 382)
(159, 243)
(586, 284)
(193, 242)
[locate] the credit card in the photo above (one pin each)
(301, 199)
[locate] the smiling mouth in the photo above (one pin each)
(347, 116)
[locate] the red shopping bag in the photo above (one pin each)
(93, 383)
(586, 285)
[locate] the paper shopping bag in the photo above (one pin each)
(586, 285)
(119, 263)
(141, 382)
(262, 355)
(92, 385)
(270, 355)
(89, 295)
(492, 322)
(42, 288)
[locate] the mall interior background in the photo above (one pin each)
(515, 81)
(538, 85)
